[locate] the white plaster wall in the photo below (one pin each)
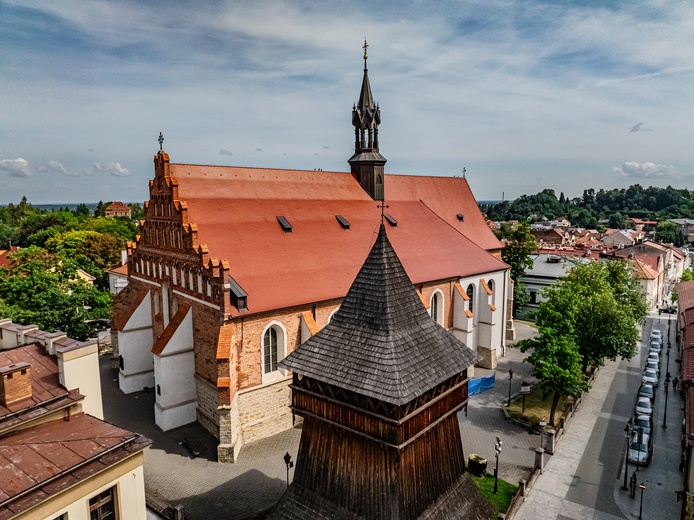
(79, 368)
(170, 418)
(175, 377)
(130, 497)
(138, 362)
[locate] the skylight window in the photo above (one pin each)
(286, 226)
(391, 220)
(343, 221)
(460, 217)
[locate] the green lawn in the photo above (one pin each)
(504, 495)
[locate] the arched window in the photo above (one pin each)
(471, 295)
(490, 284)
(436, 304)
(330, 317)
(270, 350)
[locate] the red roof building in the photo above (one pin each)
(57, 460)
(235, 267)
(117, 209)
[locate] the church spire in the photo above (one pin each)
(367, 163)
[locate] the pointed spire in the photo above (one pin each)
(382, 343)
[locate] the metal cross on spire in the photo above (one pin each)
(383, 206)
(366, 56)
(161, 141)
(464, 170)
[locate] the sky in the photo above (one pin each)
(525, 95)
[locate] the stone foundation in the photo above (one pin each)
(488, 357)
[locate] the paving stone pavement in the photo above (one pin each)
(208, 490)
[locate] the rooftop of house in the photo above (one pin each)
(47, 459)
(117, 206)
(437, 229)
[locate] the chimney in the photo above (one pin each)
(15, 383)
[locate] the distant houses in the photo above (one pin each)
(117, 209)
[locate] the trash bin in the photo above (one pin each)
(477, 465)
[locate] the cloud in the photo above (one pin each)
(635, 170)
(224, 151)
(258, 149)
(55, 166)
(16, 167)
(112, 168)
(639, 128)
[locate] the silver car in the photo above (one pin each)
(647, 391)
(655, 347)
(653, 356)
(643, 406)
(650, 377)
(652, 365)
(640, 451)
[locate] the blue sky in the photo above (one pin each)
(526, 95)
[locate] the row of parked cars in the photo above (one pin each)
(641, 444)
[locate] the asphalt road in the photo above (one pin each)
(601, 464)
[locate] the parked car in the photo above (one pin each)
(672, 309)
(640, 448)
(647, 390)
(643, 422)
(657, 333)
(653, 356)
(653, 365)
(650, 377)
(643, 406)
(655, 347)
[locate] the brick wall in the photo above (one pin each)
(15, 383)
(689, 508)
(207, 413)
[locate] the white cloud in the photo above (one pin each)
(224, 151)
(55, 166)
(112, 168)
(643, 170)
(16, 167)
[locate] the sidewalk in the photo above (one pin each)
(553, 497)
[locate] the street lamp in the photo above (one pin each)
(510, 378)
(497, 448)
(525, 390)
(289, 464)
(627, 430)
(667, 383)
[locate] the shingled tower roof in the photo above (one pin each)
(382, 343)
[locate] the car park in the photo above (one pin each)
(640, 448)
(643, 422)
(650, 377)
(644, 406)
(647, 390)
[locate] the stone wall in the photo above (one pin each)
(265, 411)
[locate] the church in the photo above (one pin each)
(235, 267)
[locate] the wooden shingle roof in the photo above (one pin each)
(382, 343)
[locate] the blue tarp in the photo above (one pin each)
(477, 385)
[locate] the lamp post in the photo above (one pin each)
(642, 486)
(525, 390)
(627, 430)
(497, 448)
(667, 383)
(510, 378)
(289, 464)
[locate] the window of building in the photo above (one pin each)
(436, 306)
(490, 284)
(61, 517)
(471, 294)
(533, 296)
(270, 350)
(103, 505)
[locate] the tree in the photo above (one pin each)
(517, 253)
(666, 232)
(41, 288)
(616, 221)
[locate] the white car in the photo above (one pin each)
(647, 391)
(653, 356)
(656, 338)
(657, 333)
(653, 365)
(643, 422)
(650, 377)
(655, 347)
(640, 452)
(643, 406)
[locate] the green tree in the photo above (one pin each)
(666, 232)
(41, 288)
(517, 253)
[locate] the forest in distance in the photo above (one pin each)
(609, 208)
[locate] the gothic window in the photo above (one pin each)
(436, 307)
(490, 284)
(103, 505)
(471, 295)
(270, 350)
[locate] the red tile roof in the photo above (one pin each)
(685, 295)
(170, 329)
(47, 392)
(121, 319)
(236, 209)
(42, 461)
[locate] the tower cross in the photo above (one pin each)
(365, 46)
(383, 206)
(464, 170)
(161, 141)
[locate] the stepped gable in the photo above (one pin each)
(382, 343)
